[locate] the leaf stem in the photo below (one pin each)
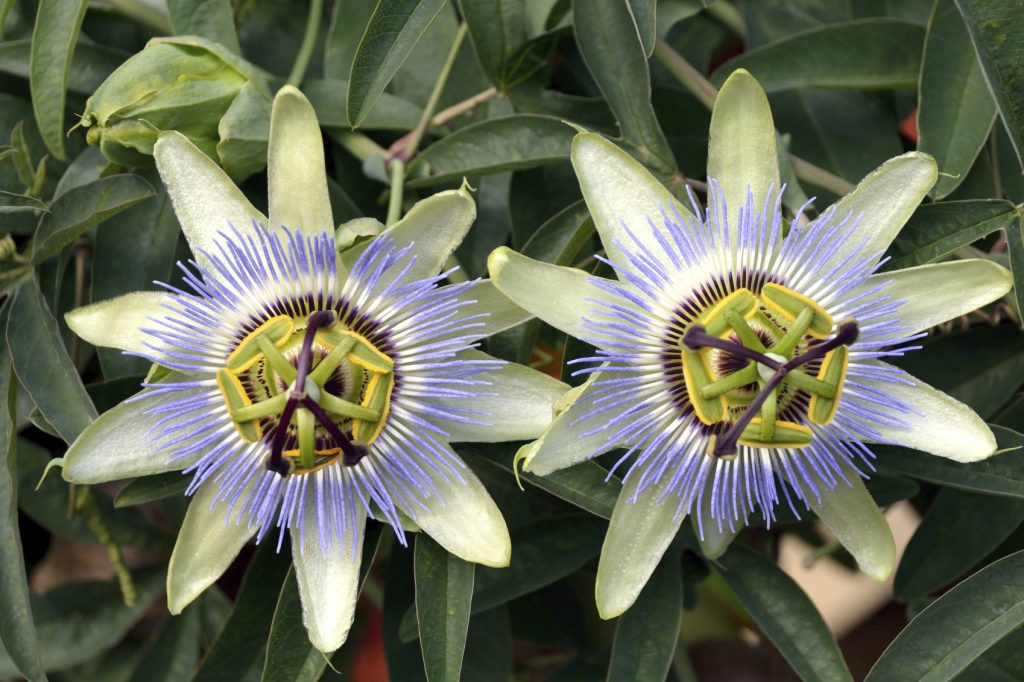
(316, 10)
(408, 150)
(454, 111)
(694, 81)
(397, 186)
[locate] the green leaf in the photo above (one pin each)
(488, 647)
(444, 591)
(958, 627)
(973, 523)
(784, 613)
(79, 620)
(985, 381)
(498, 31)
(82, 207)
(492, 146)
(91, 66)
(152, 488)
(348, 23)
(647, 634)
(236, 649)
(545, 550)
(995, 29)
(864, 53)
(404, 660)
(43, 365)
(330, 100)
(610, 44)
(53, 42)
(1001, 474)
(210, 19)
(644, 13)
(172, 655)
(956, 111)
(937, 230)
(585, 485)
(1015, 245)
(392, 33)
(17, 630)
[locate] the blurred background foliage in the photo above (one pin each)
(434, 91)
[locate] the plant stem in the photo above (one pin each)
(356, 144)
(706, 92)
(408, 150)
(316, 10)
(397, 185)
(454, 111)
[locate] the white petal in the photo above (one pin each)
(521, 407)
(938, 292)
(558, 295)
(207, 544)
(501, 312)
(296, 174)
(937, 423)
(436, 225)
(882, 203)
(621, 194)
(465, 520)
(741, 145)
(851, 514)
(205, 199)
(567, 441)
(120, 443)
(638, 535)
(117, 322)
(328, 578)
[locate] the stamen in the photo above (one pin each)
(726, 445)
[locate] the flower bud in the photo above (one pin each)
(195, 86)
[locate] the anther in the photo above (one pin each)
(726, 445)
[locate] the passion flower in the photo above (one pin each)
(740, 359)
(306, 390)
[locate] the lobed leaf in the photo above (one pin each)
(53, 42)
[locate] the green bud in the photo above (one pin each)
(214, 97)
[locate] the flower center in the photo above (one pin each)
(742, 362)
(317, 391)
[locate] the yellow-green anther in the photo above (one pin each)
(378, 394)
(786, 435)
(822, 407)
(791, 304)
(274, 330)
(730, 382)
(264, 408)
(344, 408)
(808, 383)
(741, 301)
(796, 331)
(284, 368)
(372, 359)
(307, 437)
(697, 377)
(234, 396)
(743, 331)
(323, 370)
